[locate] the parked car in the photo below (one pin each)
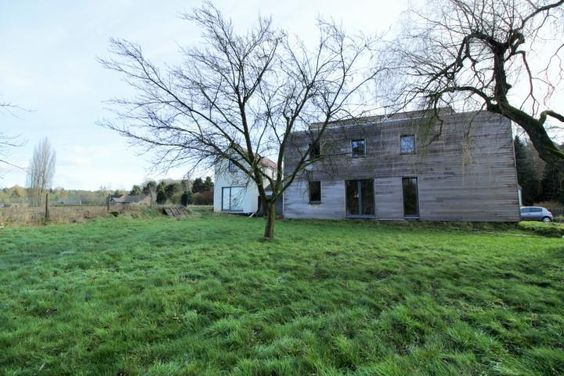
(535, 213)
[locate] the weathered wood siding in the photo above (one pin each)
(466, 174)
(388, 198)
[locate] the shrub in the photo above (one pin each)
(203, 198)
(544, 229)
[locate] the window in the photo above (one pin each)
(360, 197)
(358, 148)
(407, 144)
(232, 198)
(314, 192)
(410, 198)
(232, 166)
(314, 150)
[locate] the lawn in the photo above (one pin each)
(206, 296)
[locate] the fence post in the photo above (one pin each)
(108, 203)
(46, 219)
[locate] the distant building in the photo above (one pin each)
(128, 199)
(234, 191)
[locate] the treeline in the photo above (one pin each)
(539, 181)
(18, 195)
(177, 192)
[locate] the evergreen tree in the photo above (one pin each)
(198, 186)
(135, 190)
(208, 184)
(526, 175)
(186, 198)
(161, 196)
(171, 189)
(550, 183)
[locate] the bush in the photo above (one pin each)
(544, 229)
(203, 198)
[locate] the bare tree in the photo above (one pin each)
(8, 142)
(472, 53)
(240, 96)
(41, 171)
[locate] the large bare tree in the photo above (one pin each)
(504, 56)
(240, 96)
(41, 171)
(8, 142)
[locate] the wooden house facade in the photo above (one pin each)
(408, 166)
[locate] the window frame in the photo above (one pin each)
(230, 188)
(417, 208)
(414, 144)
(363, 155)
(360, 191)
(314, 202)
(314, 146)
(232, 167)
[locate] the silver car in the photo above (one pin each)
(535, 213)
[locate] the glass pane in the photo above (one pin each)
(407, 144)
(367, 195)
(315, 151)
(225, 198)
(410, 207)
(353, 198)
(358, 148)
(237, 195)
(314, 191)
(360, 197)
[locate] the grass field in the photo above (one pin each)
(206, 296)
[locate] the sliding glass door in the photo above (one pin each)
(360, 197)
(232, 198)
(410, 197)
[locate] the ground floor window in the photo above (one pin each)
(314, 192)
(360, 197)
(232, 198)
(410, 197)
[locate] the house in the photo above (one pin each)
(128, 199)
(234, 191)
(407, 167)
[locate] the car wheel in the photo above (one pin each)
(546, 219)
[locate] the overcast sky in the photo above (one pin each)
(48, 65)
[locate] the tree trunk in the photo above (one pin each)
(46, 218)
(270, 217)
(548, 151)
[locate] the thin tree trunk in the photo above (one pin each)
(46, 219)
(270, 217)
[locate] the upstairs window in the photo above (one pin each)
(314, 192)
(314, 150)
(232, 166)
(407, 144)
(358, 148)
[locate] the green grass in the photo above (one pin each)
(553, 229)
(206, 296)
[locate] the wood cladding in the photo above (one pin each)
(465, 169)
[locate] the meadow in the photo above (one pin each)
(206, 296)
